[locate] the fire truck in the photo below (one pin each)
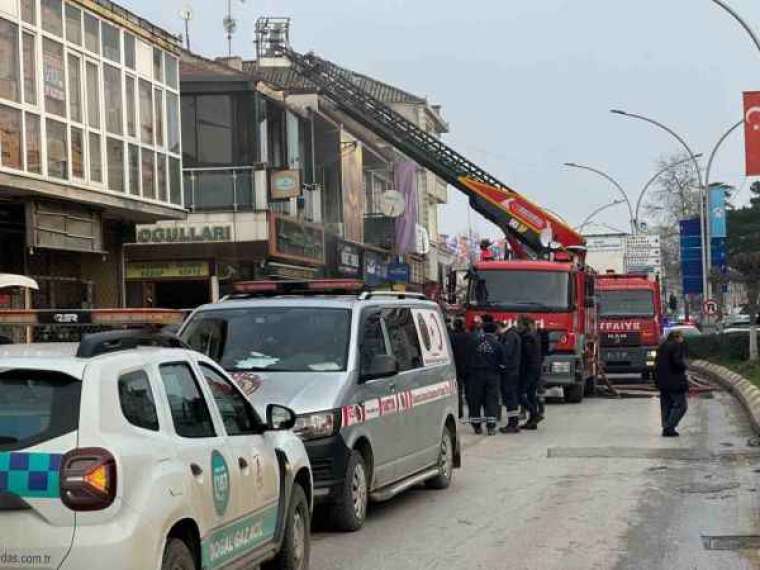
(547, 278)
(630, 322)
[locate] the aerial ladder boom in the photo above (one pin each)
(523, 222)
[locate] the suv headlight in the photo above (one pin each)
(651, 354)
(317, 425)
(562, 367)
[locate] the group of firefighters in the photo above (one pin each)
(499, 363)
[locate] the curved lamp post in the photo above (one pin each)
(612, 181)
(599, 210)
(738, 18)
(702, 191)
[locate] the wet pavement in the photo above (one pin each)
(595, 487)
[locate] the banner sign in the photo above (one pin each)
(691, 256)
(752, 132)
(717, 201)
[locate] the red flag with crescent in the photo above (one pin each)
(752, 132)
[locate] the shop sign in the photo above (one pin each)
(349, 259)
(399, 272)
(184, 234)
(67, 228)
(285, 184)
(291, 239)
(375, 268)
(290, 272)
(147, 270)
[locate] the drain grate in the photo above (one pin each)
(731, 542)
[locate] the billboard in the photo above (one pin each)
(606, 252)
(752, 132)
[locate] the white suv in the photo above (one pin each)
(118, 455)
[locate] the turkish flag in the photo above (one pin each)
(752, 131)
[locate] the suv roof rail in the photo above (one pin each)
(366, 295)
(114, 341)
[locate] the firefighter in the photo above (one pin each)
(530, 370)
(510, 378)
(460, 344)
(484, 368)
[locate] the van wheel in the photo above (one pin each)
(574, 393)
(177, 556)
(445, 463)
(296, 545)
(349, 512)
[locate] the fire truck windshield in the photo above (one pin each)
(514, 290)
(626, 303)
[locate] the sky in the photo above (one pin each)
(527, 85)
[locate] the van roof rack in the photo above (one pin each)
(114, 341)
(367, 295)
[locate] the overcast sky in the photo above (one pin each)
(527, 84)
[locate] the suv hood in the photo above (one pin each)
(303, 392)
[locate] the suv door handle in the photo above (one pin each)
(242, 463)
(196, 470)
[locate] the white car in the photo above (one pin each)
(123, 456)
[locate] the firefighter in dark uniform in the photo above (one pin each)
(485, 364)
(510, 378)
(460, 344)
(530, 371)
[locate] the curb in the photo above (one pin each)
(744, 391)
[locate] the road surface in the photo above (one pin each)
(595, 487)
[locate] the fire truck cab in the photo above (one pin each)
(630, 322)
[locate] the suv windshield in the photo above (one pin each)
(36, 407)
(521, 290)
(626, 303)
(277, 339)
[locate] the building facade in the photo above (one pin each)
(90, 143)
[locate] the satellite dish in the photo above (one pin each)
(392, 204)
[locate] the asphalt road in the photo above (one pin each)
(595, 487)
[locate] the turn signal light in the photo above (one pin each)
(88, 479)
(97, 478)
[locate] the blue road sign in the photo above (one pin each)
(691, 256)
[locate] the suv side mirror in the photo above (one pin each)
(382, 366)
(280, 418)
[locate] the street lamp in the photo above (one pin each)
(702, 192)
(741, 21)
(596, 212)
(614, 182)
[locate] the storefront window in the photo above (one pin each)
(172, 122)
(52, 17)
(9, 64)
(161, 176)
(30, 70)
(159, 97)
(96, 158)
(175, 177)
(57, 150)
(91, 35)
(171, 71)
(10, 137)
(148, 179)
(158, 65)
(33, 148)
(55, 85)
(146, 112)
(93, 96)
(129, 50)
(73, 24)
(115, 155)
(111, 43)
(114, 108)
(29, 11)
(131, 109)
(75, 88)
(77, 153)
(134, 170)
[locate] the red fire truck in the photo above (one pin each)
(547, 279)
(630, 322)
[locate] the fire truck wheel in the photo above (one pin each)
(574, 393)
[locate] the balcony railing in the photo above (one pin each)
(224, 188)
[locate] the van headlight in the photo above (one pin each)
(651, 354)
(317, 425)
(561, 367)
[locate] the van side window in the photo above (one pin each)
(237, 414)
(136, 400)
(189, 410)
(403, 336)
(372, 341)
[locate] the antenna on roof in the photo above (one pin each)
(187, 14)
(230, 25)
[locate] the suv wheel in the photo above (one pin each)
(574, 393)
(177, 556)
(349, 512)
(445, 462)
(296, 545)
